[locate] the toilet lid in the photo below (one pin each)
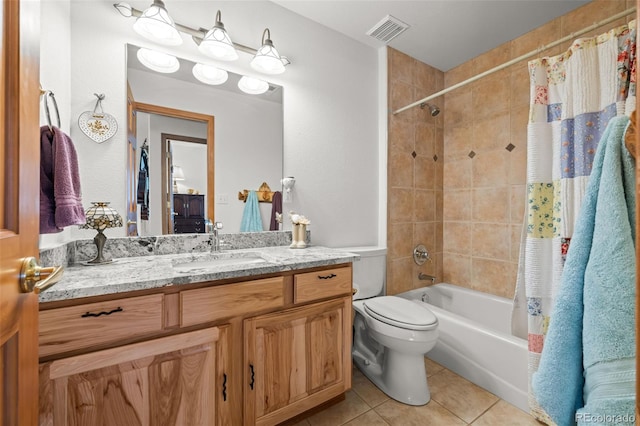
(401, 313)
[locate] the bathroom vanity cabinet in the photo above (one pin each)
(295, 360)
(228, 352)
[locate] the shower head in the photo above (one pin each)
(433, 110)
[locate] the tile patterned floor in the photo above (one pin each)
(454, 401)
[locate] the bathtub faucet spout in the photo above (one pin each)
(422, 276)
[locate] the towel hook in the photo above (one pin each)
(48, 94)
(99, 104)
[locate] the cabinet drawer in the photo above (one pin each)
(212, 303)
(322, 284)
(189, 229)
(90, 324)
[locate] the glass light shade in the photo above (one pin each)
(267, 60)
(124, 9)
(252, 86)
(158, 61)
(217, 43)
(178, 174)
(209, 74)
(156, 25)
(100, 216)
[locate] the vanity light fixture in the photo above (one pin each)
(156, 25)
(252, 86)
(125, 9)
(209, 74)
(158, 61)
(267, 59)
(217, 43)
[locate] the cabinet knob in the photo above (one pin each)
(36, 279)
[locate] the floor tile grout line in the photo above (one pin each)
(456, 415)
(372, 409)
(357, 415)
(452, 413)
(485, 411)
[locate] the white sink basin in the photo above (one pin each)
(217, 262)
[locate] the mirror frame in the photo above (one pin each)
(194, 116)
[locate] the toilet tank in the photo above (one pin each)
(369, 273)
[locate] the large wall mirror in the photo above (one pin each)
(245, 146)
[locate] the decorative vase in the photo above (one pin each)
(294, 236)
(302, 236)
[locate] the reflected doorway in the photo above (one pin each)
(185, 185)
(167, 130)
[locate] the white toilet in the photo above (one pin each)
(391, 334)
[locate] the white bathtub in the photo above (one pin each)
(475, 340)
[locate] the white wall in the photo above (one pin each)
(55, 23)
(192, 157)
(331, 111)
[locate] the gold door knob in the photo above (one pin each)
(34, 278)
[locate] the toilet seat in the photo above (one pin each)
(401, 313)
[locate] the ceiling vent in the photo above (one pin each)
(387, 29)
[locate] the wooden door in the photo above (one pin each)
(19, 208)
(169, 381)
(637, 157)
(168, 193)
(295, 360)
(132, 167)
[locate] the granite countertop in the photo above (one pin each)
(147, 272)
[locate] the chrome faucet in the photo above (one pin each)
(422, 276)
(215, 226)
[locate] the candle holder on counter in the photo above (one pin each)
(298, 230)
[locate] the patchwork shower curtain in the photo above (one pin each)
(573, 97)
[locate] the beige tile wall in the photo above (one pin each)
(474, 206)
(415, 168)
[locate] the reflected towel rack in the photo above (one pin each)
(264, 193)
(46, 95)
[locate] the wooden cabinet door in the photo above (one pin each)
(295, 360)
(188, 206)
(169, 381)
(180, 206)
(196, 206)
(19, 208)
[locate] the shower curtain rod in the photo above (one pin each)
(519, 58)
